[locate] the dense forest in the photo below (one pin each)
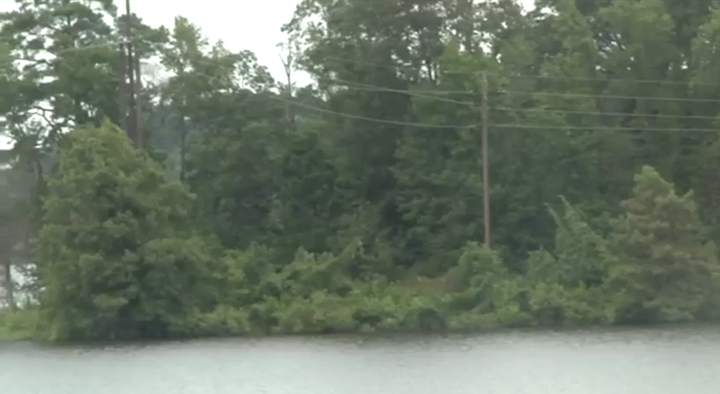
(355, 203)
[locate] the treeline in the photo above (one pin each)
(355, 203)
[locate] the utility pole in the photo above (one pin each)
(485, 165)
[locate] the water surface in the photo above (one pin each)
(617, 361)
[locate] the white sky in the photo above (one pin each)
(241, 24)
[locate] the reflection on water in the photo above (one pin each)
(655, 361)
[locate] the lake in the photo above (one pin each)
(616, 361)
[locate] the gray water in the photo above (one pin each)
(642, 361)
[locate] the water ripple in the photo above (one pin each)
(617, 361)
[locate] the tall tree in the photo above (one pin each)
(665, 271)
(112, 255)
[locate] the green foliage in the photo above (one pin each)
(355, 203)
(18, 325)
(666, 272)
(113, 257)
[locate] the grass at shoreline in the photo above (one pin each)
(18, 325)
(21, 325)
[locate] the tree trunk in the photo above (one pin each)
(6, 284)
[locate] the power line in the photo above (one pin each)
(421, 93)
(500, 125)
(605, 128)
(611, 96)
(358, 86)
(386, 89)
(601, 113)
(368, 119)
(395, 66)
(427, 93)
(520, 76)
(414, 93)
(517, 126)
(619, 80)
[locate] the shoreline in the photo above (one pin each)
(20, 326)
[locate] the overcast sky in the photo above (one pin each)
(241, 24)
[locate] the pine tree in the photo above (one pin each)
(664, 272)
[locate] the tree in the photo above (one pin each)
(665, 271)
(372, 174)
(11, 230)
(62, 75)
(567, 284)
(70, 56)
(112, 254)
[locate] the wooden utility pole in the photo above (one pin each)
(485, 165)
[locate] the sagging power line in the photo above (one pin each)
(485, 109)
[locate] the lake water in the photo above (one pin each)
(618, 361)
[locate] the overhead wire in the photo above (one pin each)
(417, 93)
(618, 80)
(501, 125)
(369, 119)
(602, 128)
(367, 87)
(413, 92)
(386, 89)
(602, 113)
(429, 94)
(426, 93)
(611, 96)
(410, 92)
(548, 77)
(557, 94)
